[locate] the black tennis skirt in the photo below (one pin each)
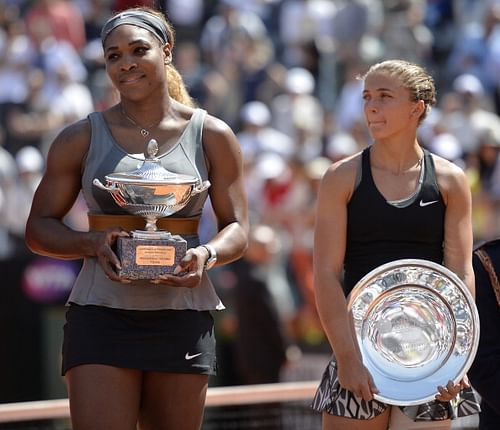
(178, 341)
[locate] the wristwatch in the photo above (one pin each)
(212, 256)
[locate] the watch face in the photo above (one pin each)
(212, 257)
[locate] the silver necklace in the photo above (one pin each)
(143, 130)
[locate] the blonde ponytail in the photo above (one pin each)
(176, 87)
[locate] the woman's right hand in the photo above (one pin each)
(355, 377)
(103, 243)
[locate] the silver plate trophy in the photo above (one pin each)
(417, 327)
(151, 192)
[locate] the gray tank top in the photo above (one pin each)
(105, 156)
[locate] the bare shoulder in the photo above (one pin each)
(72, 143)
(341, 175)
(220, 144)
(449, 175)
(215, 127)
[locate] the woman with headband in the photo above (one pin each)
(138, 354)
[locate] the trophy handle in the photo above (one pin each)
(99, 184)
(200, 187)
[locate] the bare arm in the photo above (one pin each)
(458, 239)
(227, 192)
(229, 202)
(458, 236)
(46, 234)
(329, 252)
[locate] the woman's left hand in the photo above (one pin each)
(451, 390)
(188, 273)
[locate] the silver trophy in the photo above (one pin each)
(417, 327)
(151, 192)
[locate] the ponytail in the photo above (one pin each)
(177, 88)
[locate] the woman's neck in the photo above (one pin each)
(147, 110)
(398, 159)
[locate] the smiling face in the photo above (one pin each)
(388, 107)
(135, 61)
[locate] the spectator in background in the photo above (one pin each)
(227, 24)
(187, 17)
(73, 99)
(406, 34)
(32, 121)
(236, 45)
(260, 343)
(188, 62)
(30, 167)
(304, 24)
(258, 136)
(349, 104)
(8, 178)
(252, 334)
(298, 113)
(341, 145)
(17, 54)
(473, 115)
(62, 17)
(94, 13)
(299, 215)
(446, 145)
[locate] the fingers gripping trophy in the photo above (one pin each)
(151, 192)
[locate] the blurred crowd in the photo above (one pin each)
(283, 74)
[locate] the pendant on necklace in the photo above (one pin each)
(144, 132)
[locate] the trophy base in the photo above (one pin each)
(146, 257)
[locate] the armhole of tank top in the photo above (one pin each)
(430, 170)
(195, 133)
(359, 169)
(92, 118)
(200, 149)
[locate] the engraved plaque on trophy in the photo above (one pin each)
(151, 192)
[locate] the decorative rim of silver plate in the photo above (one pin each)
(417, 326)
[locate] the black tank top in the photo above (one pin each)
(379, 232)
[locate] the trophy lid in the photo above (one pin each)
(151, 171)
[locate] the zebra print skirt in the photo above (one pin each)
(330, 397)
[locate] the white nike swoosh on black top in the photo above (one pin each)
(423, 204)
(190, 357)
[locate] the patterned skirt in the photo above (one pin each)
(335, 400)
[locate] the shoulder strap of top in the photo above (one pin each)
(365, 156)
(97, 132)
(366, 170)
(200, 156)
(100, 140)
(429, 169)
(199, 118)
(94, 119)
(195, 127)
(364, 166)
(191, 142)
(490, 269)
